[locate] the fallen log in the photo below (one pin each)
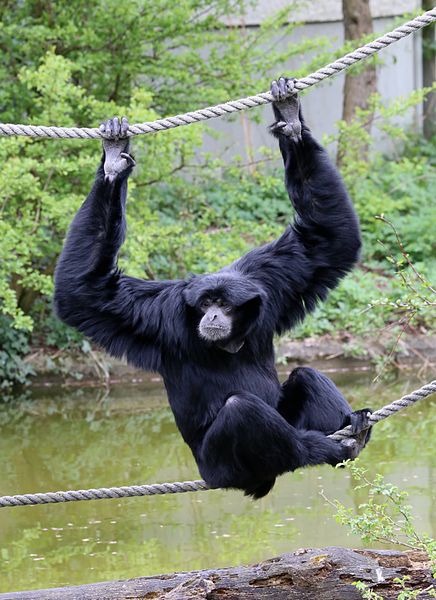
(321, 574)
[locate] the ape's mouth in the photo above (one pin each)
(213, 333)
(214, 330)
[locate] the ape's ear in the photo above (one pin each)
(251, 312)
(190, 296)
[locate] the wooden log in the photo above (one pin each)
(311, 574)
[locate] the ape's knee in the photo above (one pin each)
(309, 384)
(233, 400)
(310, 400)
(305, 375)
(304, 383)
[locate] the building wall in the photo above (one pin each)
(320, 12)
(399, 73)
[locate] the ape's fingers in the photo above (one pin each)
(124, 127)
(283, 88)
(290, 86)
(110, 128)
(275, 90)
(116, 127)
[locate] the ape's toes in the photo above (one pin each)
(359, 420)
(352, 448)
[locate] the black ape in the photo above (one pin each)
(211, 336)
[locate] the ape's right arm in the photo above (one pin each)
(121, 313)
(322, 245)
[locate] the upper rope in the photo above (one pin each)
(178, 487)
(42, 131)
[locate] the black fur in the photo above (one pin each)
(243, 427)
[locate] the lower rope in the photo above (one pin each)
(178, 487)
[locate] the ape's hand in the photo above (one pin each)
(286, 108)
(117, 159)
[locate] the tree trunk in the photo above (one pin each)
(429, 73)
(358, 88)
(325, 574)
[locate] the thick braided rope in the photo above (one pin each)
(7, 129)
(389, 409)
(179, 487)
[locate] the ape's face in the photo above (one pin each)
(226, 306)
(217, 321)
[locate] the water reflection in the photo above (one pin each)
(81, 439)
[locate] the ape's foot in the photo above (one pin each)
(117, 159)
(359, 421)
(286, 108)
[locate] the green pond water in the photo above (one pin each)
(60, 440)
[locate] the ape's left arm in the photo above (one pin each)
(122, 314)
(323, 243)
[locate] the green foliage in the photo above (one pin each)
(13, 346)
(399, 262)
(395, 201)
(398, 187)
(385, 517)
(366, 591)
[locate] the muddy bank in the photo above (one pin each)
(326, 352)
(360, 352)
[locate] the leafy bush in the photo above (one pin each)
(386, 518)
(14, 344)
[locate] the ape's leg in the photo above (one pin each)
(250, 443)
(310, 400)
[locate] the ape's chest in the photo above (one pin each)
(203, 390)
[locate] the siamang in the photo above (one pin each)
(211, 336)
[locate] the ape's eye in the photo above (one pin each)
(223, 304)
(206, 303)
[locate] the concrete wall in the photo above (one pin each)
(398, 75)
(320, 12)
